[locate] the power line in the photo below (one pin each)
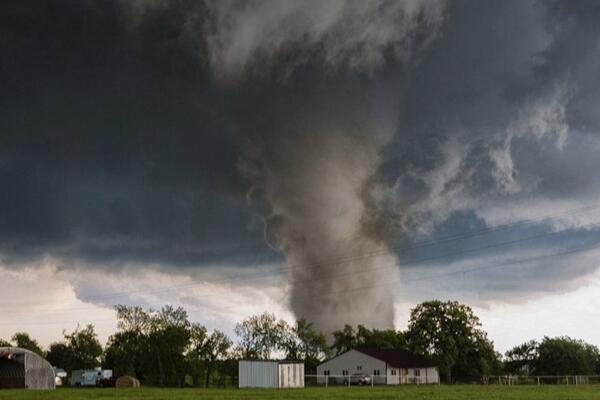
(370, 270)
(447, 255)
(581, 249)
(300, 268)
(474, 269)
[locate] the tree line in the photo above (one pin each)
(553, 356)
(164, 348)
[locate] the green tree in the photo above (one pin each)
(206, 351)
(348, 339)
(169, 335)
(60, 355)
(85, 347)
(450, 334)
(304, 343)
(124, 353)
(4, 343)
(261, 335)
(344, 340)
(24, 341)
(380, 339)
(134, 319)
(156, 342)
(227, 370)
(198, 342)
(521, 359)
(129, 351)
(216, 349)
(566, 356)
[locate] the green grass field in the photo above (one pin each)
(458, 392)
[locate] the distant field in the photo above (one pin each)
(458, 392)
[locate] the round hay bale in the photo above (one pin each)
(127, 382)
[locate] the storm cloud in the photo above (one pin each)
(134, 135)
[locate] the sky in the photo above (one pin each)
(340, 161)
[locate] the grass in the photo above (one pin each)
(457, 392)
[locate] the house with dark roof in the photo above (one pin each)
(383, 366)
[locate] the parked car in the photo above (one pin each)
(358, 379)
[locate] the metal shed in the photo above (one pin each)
(20, 368)
(271, 374)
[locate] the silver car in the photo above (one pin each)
(358, 379)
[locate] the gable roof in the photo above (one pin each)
(397, 358)
(284, 361)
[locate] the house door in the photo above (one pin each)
(404, 378)
(393, 377)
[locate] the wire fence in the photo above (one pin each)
(364, 380)
(505, 380)
(544, 380)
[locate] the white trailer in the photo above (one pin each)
(90, 377)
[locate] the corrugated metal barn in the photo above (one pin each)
(20, 368)
(271, 374)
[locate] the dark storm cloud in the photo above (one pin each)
(114, 146)
(117, 146)
(499, 126)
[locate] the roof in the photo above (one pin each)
(10, 352)
(6, 352)
(276, 361)
(397, 358)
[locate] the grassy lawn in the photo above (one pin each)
(458, 392)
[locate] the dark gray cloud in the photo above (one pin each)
(494, 133)
(114, 143)
(118, 145)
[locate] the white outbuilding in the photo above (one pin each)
(270, 374)
(384, 366)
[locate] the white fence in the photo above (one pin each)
(544, 380)
(356, 380)
(340, 380)
(373, 380)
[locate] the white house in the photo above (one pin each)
(386, 366)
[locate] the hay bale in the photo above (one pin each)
(127, 382)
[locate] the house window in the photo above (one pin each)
(345, 372)
(359, 367)
(326, 372)
(417, 372)
(376, 372)
(394, 372)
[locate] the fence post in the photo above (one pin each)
(538, 381)
(372, 381)
(326, 380)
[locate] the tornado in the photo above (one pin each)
(312, 124)
(314, 157)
